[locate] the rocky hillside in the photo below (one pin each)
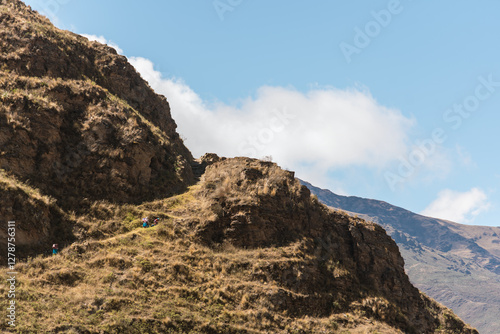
(246, 250)
(77, 120)
(87, 149)
(40, 220)
(456, 264)
(79, 125)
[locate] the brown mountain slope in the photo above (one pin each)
(78, 125)
(77, 120)
(456, 264)
(246, 250)
(486, 237)
(39, 219)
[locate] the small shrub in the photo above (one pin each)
(109, 278)
(145, 265)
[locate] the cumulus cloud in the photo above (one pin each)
(316, 131)
(103, 40)
(460, 207)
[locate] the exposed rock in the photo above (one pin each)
(199, 165)
(77, 120)
(38, 221)
(256, 204)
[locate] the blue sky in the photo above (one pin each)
(392, 100)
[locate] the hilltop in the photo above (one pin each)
(87, 149)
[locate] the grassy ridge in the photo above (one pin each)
(122, 278)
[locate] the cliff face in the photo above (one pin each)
(78, 125)
(77, 120)
(38, 219)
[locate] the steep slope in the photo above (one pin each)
(247, 250)
(458, 265)
(77, 120)
(38, 219)
(77, 125)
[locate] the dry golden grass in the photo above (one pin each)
(146, 275)
(128, 279)
(11, 182)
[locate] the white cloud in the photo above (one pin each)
(103, 40)
(460, 207)
(309, 132)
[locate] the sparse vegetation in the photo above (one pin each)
(166, 278)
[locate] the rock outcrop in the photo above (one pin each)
(38, 221)
(347, 261)
(78, 121)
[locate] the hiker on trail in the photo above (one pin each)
(155, 222)
(55, 248)
(145, 222)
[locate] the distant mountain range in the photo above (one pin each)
(458, 265)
